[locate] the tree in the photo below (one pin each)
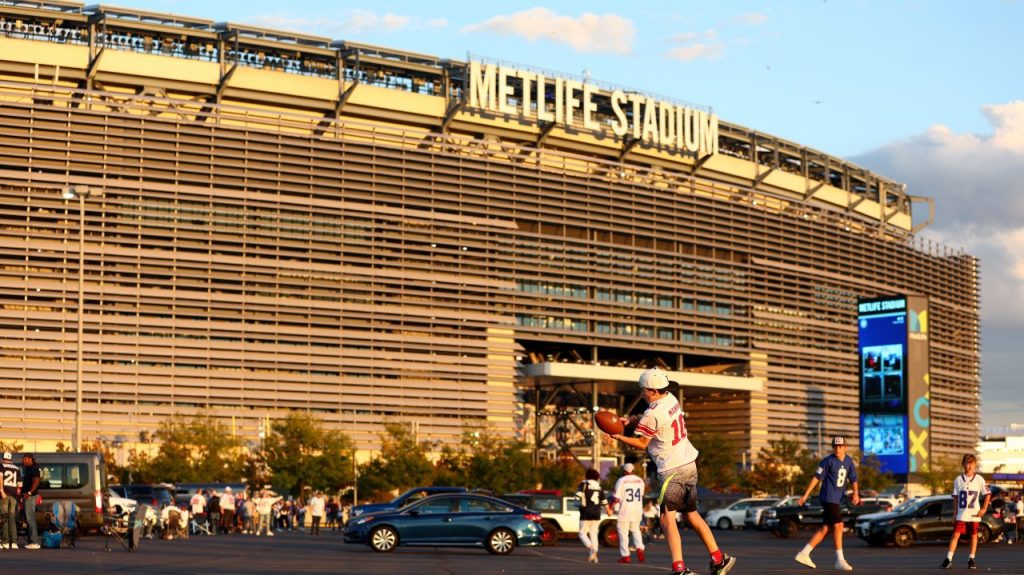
(402, 463)
(870, 475)
(938, 474)
(195, 449)
(300, 453)
(561, 474)
(498, 465)
(717, 461)
(780, 466)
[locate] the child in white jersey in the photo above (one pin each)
(661, 430)
(970, 497)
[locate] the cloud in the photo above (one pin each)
(588, 33)
(361, 21)
(751, 18)
(696, 46)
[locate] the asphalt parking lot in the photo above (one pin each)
(758, 553)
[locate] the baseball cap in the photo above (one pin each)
(227, 489)
(653, 378)
(838, 440)
(7, 456)
(628, 468)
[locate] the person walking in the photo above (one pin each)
(834, 473)
(971, 497)
(29, 493)
(592, 500)
(316, 512)
(661, 430)
(629, 499)
(11, 493)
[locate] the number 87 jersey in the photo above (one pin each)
(969, 493)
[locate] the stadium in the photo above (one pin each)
(215, 218)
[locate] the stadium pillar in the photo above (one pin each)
(596, 445)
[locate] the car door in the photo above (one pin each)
(477, 518)
(430, 521)
(929, 523)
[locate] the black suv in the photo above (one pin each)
(158, 495)
(926, 518)
(785, 522)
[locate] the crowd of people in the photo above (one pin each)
(224, 512)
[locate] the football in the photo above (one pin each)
(609, 422)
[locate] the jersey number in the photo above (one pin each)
(841, 477)
(10, 478)
(964, 504)
(595, 498)
(678, 430)
(633, 495)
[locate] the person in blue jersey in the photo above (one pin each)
(836, 473)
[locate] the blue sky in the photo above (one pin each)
(928, 92)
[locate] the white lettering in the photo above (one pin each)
(504, 92)
(621, 125)
(589, 107)
(482, 93)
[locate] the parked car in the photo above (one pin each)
(927, 518)
(402, 500)
(785, 522)
(120, 505)
(561, 516)
(77, 477)
(157, 495)
(885, 502)
(754, 519)
(449, 520)
(733, 515)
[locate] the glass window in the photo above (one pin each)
(664, 301)
(479, 506)
(547, 504)
(63, 475)
(439, 505)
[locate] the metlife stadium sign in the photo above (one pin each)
(532, 97)
(895, 400)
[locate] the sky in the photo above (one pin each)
(926, 92)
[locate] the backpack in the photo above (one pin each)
(52, 539)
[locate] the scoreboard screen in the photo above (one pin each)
(882, 324)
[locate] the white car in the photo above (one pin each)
(114, 501)
(733, 515)
(754, 515)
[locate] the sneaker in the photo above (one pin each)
(724, 567)
(842, 565)
(805, 559)
(946, 564)
(32, 546)
(625, 559)
(640, 555)
(5, 546)
(593, 557)
(270, 533)
(14, 545)
(970, 563)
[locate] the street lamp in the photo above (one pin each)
(70, 193)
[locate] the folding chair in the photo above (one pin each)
(125, 528)
(63, 519)
(199, 524)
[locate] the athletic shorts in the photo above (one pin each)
(679, 489)
(830, 514)
(966, 527)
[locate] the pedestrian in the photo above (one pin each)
(317, 508)
(11, 491)
(834, 473)
(264, 509)
(661, 430)
(213, 511)
(331, 514)
(29, 493)
(629, 499)
(198, 506)
(592, 500)
(971, 498)
(227, 510)
(1020, 517)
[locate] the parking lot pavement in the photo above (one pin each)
(758, 552)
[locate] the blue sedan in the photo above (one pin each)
(449, 520)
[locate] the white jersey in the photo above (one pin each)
(629, 495)
(663, 423)
(198, 504)
(968, 494)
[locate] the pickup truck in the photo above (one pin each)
(785, 522)
(561, 516)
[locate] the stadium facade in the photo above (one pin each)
(278, 221)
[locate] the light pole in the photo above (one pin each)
(70, 193)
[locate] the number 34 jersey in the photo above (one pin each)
(835, 475)
(663, 423)
(629, 495)
(969, 492)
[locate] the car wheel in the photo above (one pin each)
(984, 534)
(501, 542)
(787, 528)
(724, 523)
(383, 539)
(609, 535)
(903, 537)
(550, 535)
